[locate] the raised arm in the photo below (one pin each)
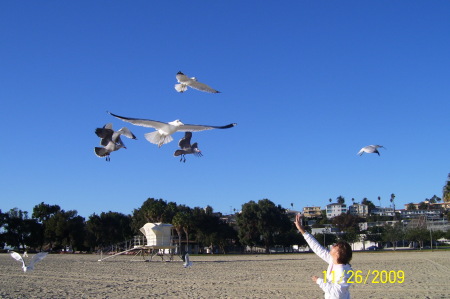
(312, 243)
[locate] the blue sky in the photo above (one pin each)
(308, 82)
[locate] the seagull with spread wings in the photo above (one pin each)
(370, 149)
(187, 148)
(111, 140)
(38, 257)
(163, 132)
(184, 81)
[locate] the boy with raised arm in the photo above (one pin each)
(338, 259)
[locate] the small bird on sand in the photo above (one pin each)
(187, 262)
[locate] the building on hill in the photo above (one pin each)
(360, 210)
(336, 209)
(380, 211)
(310, 212)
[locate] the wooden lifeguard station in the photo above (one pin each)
(157, 242)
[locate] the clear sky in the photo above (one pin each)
(308, 82)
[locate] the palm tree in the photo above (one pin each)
(392, 200)
(340, 199)
(379, 200)
(330, 200)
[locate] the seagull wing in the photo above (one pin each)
(201, 86)
(105, 135)
(361, 151)
(127, 133)
(185, 142)
(142, 122)
(179, 152)
(196, 128)
(37, 258)
(16, 256)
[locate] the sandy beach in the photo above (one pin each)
(222, 276)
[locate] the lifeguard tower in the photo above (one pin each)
(157, 241)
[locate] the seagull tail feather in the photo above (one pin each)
(180, 87)
(156, 138)
(101, 152)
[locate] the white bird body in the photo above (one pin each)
(184, 81)
(370, 149)
(38, 257)
(111, 140)
(163, 132)
(187, 262)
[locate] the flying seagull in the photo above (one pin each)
(187, 148)
(111, 140)
(38, 257)
(370, 149)
(184, 81)
(187, 262)
(163, 132)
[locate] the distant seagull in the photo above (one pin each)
(187, 148)
(110, 139)
(38, 257)
(184, 81)
(370, 149)
(163, 132)
(187, 262)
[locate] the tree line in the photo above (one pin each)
(259, 224)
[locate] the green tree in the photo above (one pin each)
(60, 228)
(247, 222)
(20, 230)
(418, 234)
(369, 204)
(347, 222)
(411, 207)
(392, 200)
(446, 190)
(107, 229)
(423, 206)
(153, 211)
(351, 235)
(2, 229)
(260, 222)
(340, 199)
(43, 212)
(393, 234)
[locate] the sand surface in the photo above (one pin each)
(217, 276)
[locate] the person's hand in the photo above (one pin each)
(314, 278)
(298, 223)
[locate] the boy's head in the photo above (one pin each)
(342, 252)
